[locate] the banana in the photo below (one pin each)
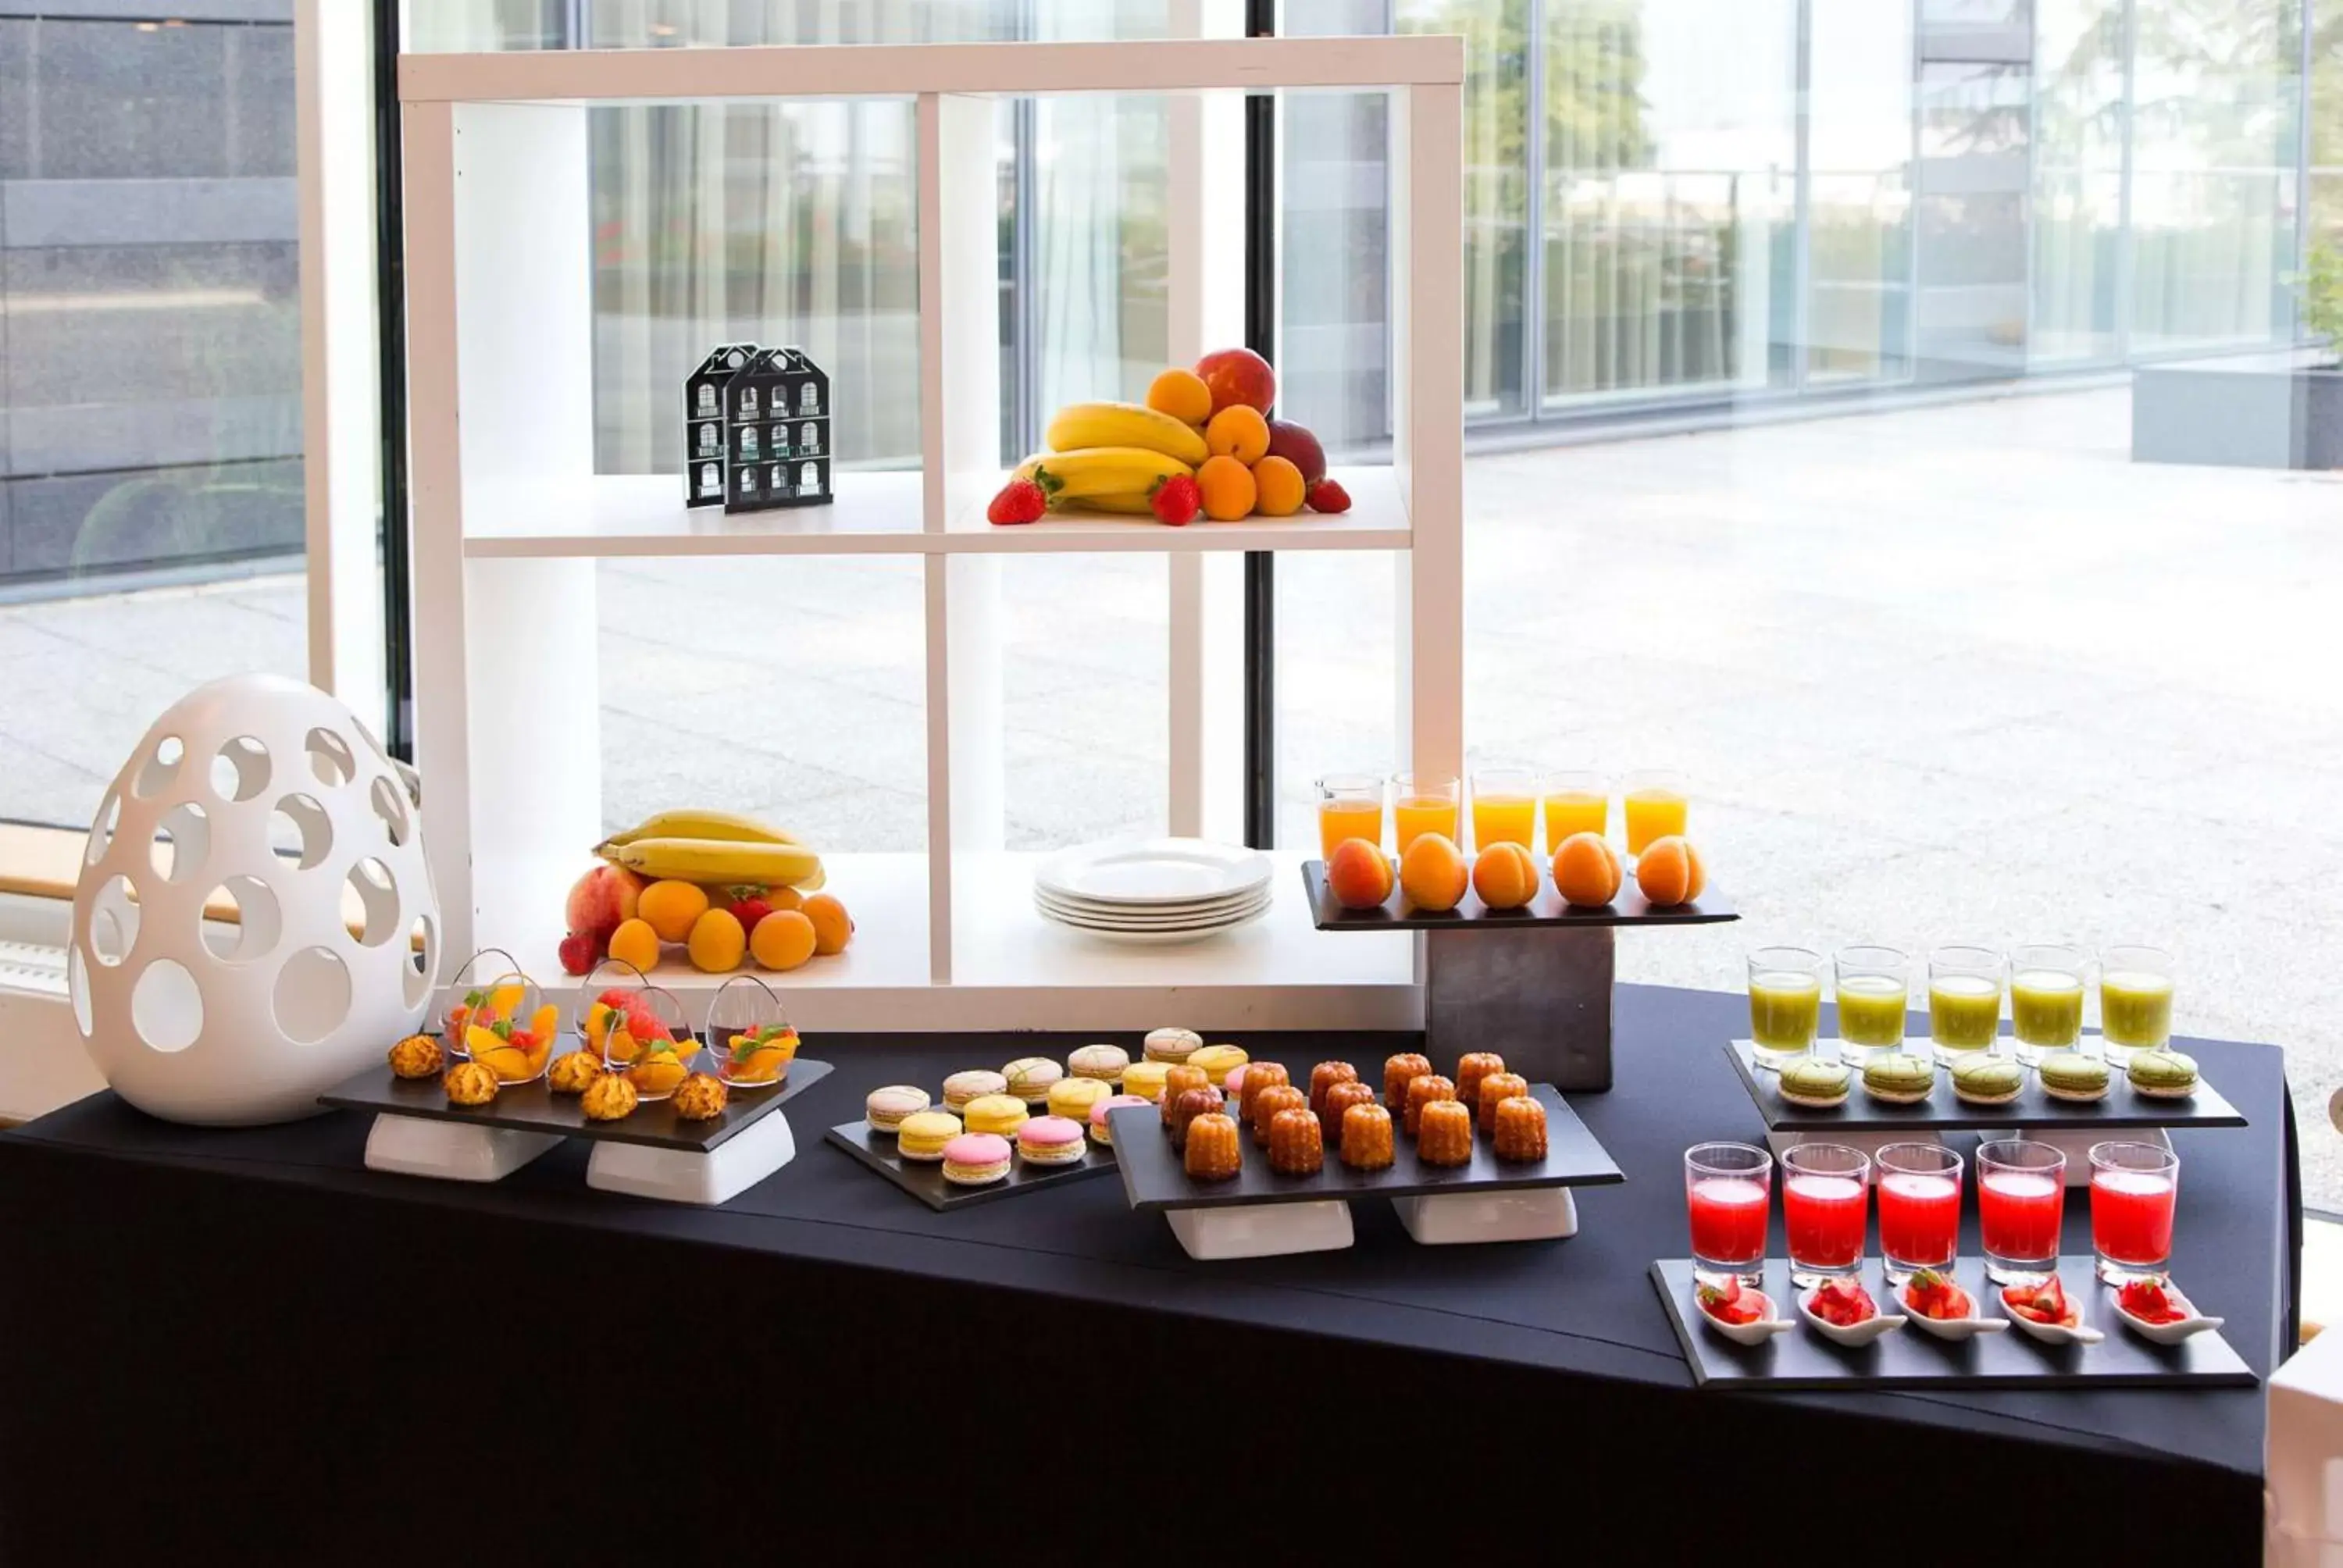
(1132, 506)
(1079, 426)
(1099, 471)
(694, 823)
(719, 861)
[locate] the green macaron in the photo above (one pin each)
(1811, 1081)
(1982, 1078)
(1898, 1078)
(2071, 1075)
(2164, 1074)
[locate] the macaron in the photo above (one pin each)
(1029, 1078)
(1103, 1063)
(1815, 1083)
(887, 1108)
(2071, 1075)
(1001, 1113)
(2163, 1074)
(1898, 1078)
(1145, 1079)
(1074, 1097)
(1232, 1086)
(976, 1160)
(975, 1084)
(1101, 1131)
(1050, 1141)
(924, 1134)
(1167, 1045)
(1981, 1078)
(1216, 1061)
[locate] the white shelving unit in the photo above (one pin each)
(508, 514)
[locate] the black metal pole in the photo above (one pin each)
(390, 348)
(1260, 337)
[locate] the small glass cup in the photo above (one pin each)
(2021, 1205)
(1349, 806)
(1919, 1208)
(1656, 806)
(1964, 985)
(1504, 807)
(1785, 1003)
(1728, 1198)
(1874, 993)
(636, 1028)
(748, 1036)
(1826, 1206)
(2046, 1000)
(496, 1016)
(2134, 1187)
(1575, 802)
(1421, 804)
(2134, 1002)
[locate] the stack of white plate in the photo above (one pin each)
(1153, 889)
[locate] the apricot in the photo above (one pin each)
(1505, 876)
(1239, 432)
(671, 906)
(783, 939)
(1228, 488)
(1433, 873)
(1587, 870)
(1182, 395)
(636, 943)
(1278, 487)
(833, 928)
(1358, 875)
(717, 942)
(1669, 871)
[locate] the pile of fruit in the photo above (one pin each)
(1203, 442)
(723, 887)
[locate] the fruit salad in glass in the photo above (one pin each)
(637, 1029)
(496, 1017)
(748, 1036)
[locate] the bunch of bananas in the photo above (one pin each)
(713, 848)
(1109, 455)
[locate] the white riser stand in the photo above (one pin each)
(1262, 1230)
(685, 1176)
(1532, 1214)
(451, 1150)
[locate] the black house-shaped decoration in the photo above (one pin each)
(776, 414)
(706, 441)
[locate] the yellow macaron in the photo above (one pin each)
(1001, 1113)
(1216, 1061)
(1072, 1098)
(1145, 1079)
(923, 1134)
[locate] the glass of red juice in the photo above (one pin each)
(1729, 1194)
(2021, 1203)
(1826, 1203)
(1919, 1208)
(2133, 1186)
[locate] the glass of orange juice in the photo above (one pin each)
(1655, 808)
(1421, 804)
(1349, 806)
(1574, 803)
(1504, 807)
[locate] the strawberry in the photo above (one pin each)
(2045, 1304)
(1174, 499)
(1728, 1302)
(1326, 496)
(1843, 1303)
(1023, 500)
(618, 998)
(749, 908)
(2146, 1300)
(580, 951)
(1934, 1295)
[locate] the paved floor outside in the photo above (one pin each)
(1955, 674)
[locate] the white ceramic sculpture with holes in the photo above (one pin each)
(267, 794)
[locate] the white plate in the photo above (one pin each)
(1192, 928)
(1152, 939)
(1115, 914)
(1153, 871)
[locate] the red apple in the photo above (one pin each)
(601, 899)
(1237, 375)
(1298, 446)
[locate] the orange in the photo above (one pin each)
(1182, 395)
(833, 927)
(1228, 488)
(783, 939)
(670, 906)
(1433, 873)
(1280, 486)
(1587, 870)
(1505, 876)
(1239, 432)
(636, 943)
(1359, 876)
(1669, 871)
(717, 942)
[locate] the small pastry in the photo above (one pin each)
(1190, 1104)
(976, 1160)
(1397, 1072)
(1470, 1069)
(1103, 1063)
(2163, 1074)
(1029, 1078)
(1521, 1129)
(1341, 1097)
(997, 1113)
(1144, 1079)
(1898, 1078)
(1270, 1102)
(573, 1072)
(887, 1108)
(975, 1084)
(417, 1056)
(1815, 1083)
(1422, 1091)
(1982, 1078)
(2071, 1075)
(700, 1097)
(1495, 1089)
(924, 1134)
(469, 1083)
(1367, 1138)
(1216, 1061)
(1443, 1136)
(1102, 1128)
(1260, 1076)
(1050, 1141)
(1296, 1146)
(1072, 1098)
(1213, 1152)
(1324, 1076)
(609, 1098)
(1172, 1044)
(1180, 1078)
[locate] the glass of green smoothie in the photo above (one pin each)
(1785, 1002)
(2134, 1000)
(1963, 1000)
(1874, 989)
(2045, 998)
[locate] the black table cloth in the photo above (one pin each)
(245, 1337)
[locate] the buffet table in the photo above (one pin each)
(246, 1335)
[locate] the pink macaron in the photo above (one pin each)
(1098, 1128)
(1232, 1086)
(976, 1159)
(1050, 1140)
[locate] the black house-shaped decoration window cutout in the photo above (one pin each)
(707, 403)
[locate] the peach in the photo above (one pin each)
(1433, 873)
(1237, 375)
(1298, 446)
(833, 928)
(1182, 395)
(1278, 487)
(1587, 870)
(636, 943)
(1669, 872)
(1228, 488)
(1505, 876)
(602, 900)
(783, 939)
(1358, 875)
(1237, 432)
(671, 906)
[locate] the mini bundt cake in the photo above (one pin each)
(1496, 1087)
(1189, 1105)
(1268, 1103)
(1521, 1129)
(1257, 1076)
(1323, 1077)
(1423, 1091)
(1213, 1152)
(1367, 1138)
(1470, 1069)
(1398, 1072)
(1445, 1134)
(1296, 1147)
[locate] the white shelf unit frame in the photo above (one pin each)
(510, 519)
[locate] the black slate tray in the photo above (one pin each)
(1396, 914)
(1910, 1357)
(925, 1180)
(1942, 1109)
(534, 1108)
(1153, 1176)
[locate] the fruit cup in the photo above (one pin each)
(748, 1035)
(496, 1017)
(636, 1028)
